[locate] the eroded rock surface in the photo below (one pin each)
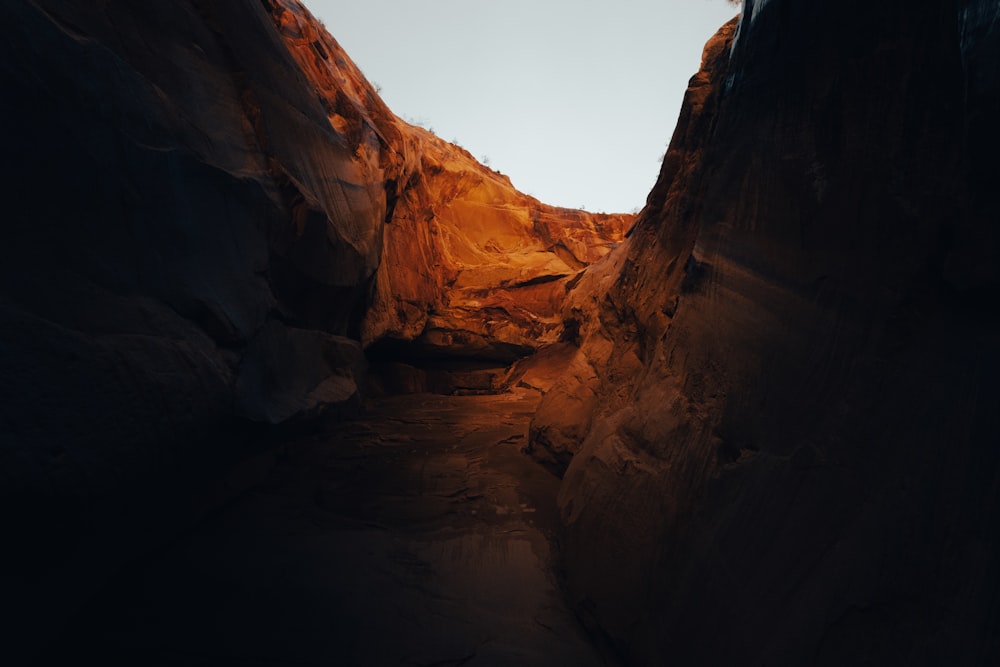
(780, 430)
(470, 266)
(777, 428)
(193, 178)
(210, 211)
(417, 535)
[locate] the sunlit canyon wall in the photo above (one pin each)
(777, 430)
(212, 212)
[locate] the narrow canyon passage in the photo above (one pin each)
(417, 535)
(771, 392)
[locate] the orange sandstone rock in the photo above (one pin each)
(469, 265)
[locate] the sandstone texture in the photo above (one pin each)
(180, 203)
(210, 215)
(779, 432)
(415, 535)
(772, 401)
(470, 267)
(213, 211)
(202, 187)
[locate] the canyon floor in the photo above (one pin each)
(416, 535)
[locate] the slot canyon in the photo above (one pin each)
(286, 380)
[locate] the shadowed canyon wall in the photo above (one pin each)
(779, 434)
(214, 211)
(211, 214)
(777, 428)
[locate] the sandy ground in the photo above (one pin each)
(418, 535)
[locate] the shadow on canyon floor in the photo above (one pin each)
(417, 535)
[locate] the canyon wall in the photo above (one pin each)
(210, 214)
(213, 211)
(471, 267)
(779, 432)
(778, 428)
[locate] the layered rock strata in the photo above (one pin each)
(470, 266)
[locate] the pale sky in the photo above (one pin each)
(575, 100)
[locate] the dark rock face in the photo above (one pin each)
(778, 427)
(415, 534)
(202, 200)
(177, 191)
(181, 220)
(794, 456)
